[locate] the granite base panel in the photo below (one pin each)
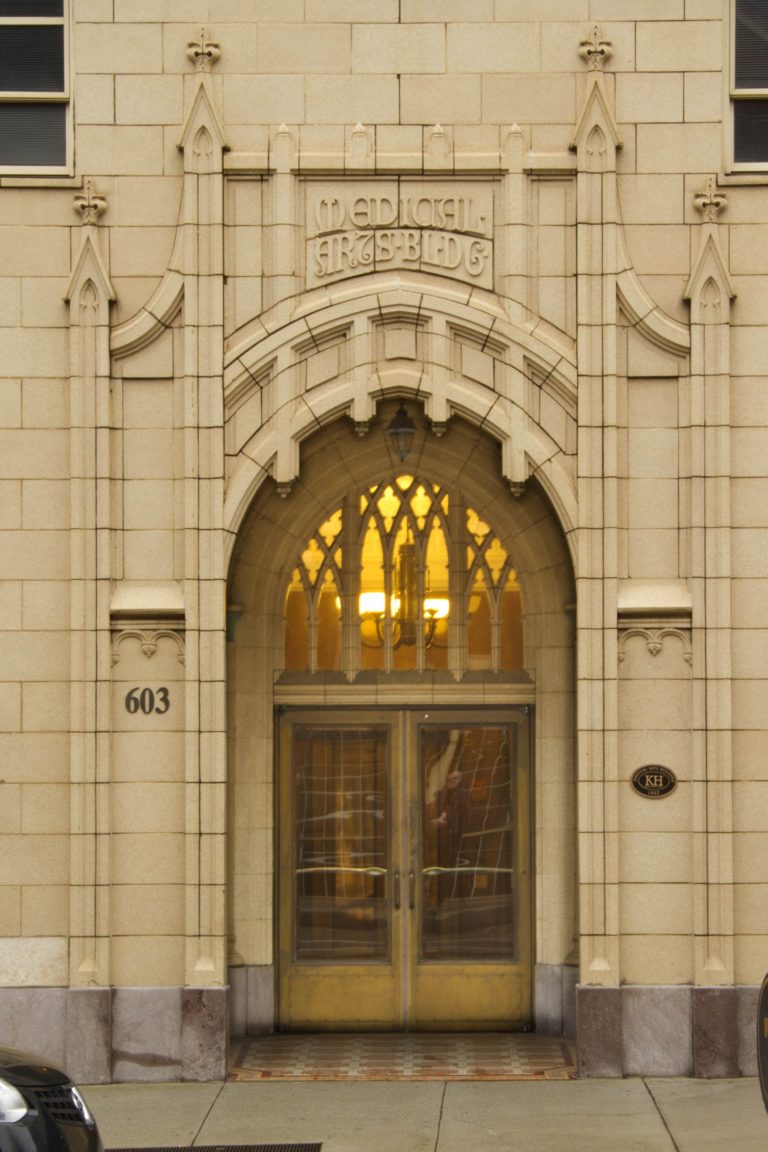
(89, 1035)
(101, 1035)
(666, 1030)
(35, 1019)
(657, 1030)
(251, 1000)
(747, 997)
(554, 999)
(599, 1031)
(159, 1034)
(169, 1034)
(715, 1033)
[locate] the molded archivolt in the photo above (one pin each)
(343, 352)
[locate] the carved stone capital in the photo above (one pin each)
(89, 204)
(203, 52)
(710, 202)
(595, 51)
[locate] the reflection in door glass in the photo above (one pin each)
(342, 843)
(468, 843)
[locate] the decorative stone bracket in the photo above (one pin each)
(148, 637)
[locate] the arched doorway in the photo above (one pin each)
(347, 894)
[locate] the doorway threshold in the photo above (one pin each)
(404, 1056)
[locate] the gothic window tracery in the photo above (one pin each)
(404, 577)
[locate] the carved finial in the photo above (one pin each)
(89, 204)
(438, 144)
(595, 51)
(360, 145)
(710, 202)
(203, 52)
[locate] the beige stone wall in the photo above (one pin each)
(34, 593)
(617, 306)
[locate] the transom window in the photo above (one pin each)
(34, 86)
(749, 82)
(404, 577)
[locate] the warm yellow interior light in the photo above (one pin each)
(372, 603)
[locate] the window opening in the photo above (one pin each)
(749, 82)
(34, 86)
(402, 579)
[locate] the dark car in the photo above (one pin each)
(40, 1108)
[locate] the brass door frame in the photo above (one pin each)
(354, 988)
(406, 991)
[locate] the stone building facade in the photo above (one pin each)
(237, 239)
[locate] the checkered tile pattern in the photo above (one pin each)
(404, 1056)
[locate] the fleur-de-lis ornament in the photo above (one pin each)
(710, 202)
(595, 51)
(89, 204)
(203, 52)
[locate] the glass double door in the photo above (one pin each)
(404, 879)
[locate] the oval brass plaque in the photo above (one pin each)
(654, 781)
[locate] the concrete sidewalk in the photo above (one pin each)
(653, 1115)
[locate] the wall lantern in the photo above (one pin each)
(401, 431)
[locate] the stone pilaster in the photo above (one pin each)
(710, 292)
(89, 294)
(595, 142)
(201, 245)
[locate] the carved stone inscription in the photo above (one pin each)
(354, 227)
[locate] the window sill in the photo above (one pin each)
(38, 180)
(748, 176)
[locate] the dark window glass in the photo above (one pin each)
(750, 131)
(33, 134)
(31, 58)
(31, 7)
(751, 44)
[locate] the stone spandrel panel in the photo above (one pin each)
(437, 226)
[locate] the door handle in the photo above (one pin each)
(372, 871)
(411, 890)
(397, 892)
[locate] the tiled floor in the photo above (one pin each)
(404, 1056)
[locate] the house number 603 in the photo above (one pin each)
(147, 700)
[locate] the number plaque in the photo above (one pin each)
(148, 701)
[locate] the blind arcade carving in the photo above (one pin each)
(432, 226)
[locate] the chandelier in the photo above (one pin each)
(408, 611)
